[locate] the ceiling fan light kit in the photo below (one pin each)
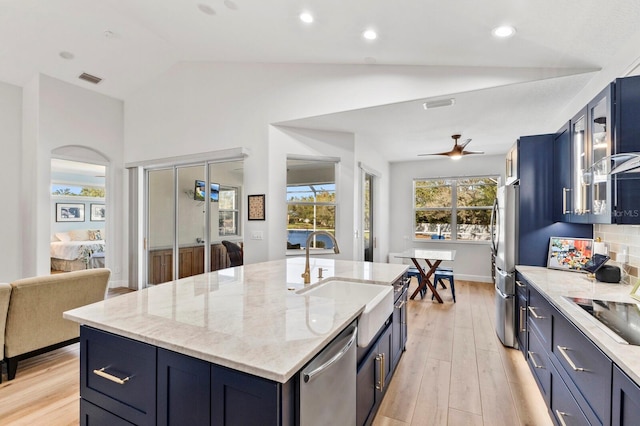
(458, 149)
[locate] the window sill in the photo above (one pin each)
(314, 252)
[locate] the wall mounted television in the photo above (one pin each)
(198, 192)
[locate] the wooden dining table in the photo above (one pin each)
(433, 258)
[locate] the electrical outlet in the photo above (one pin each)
(256, 235)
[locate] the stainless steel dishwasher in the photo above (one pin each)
(328, 383)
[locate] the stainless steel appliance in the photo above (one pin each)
(504, 243)
(328, 383)
(620, 318)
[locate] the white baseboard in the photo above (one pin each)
(477, 278)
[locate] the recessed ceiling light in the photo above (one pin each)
(66, 55)
(503, 31)
(206, 9)
(370, 35)
(306, 17)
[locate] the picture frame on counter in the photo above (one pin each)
(569, 254)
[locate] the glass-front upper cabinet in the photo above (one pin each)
(599, 115)
(580, 183)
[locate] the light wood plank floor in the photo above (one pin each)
(454, 372)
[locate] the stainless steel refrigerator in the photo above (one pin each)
(504, 243)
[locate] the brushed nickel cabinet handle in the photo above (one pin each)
(533, 360)
(522, 319)
(560, 415)
(563, 351)
(533, 312)
(519, 284)
(564, 201)
(380, 360)
(110, 377)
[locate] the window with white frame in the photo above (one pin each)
(228, 211)
(457, 209)
(311, 202)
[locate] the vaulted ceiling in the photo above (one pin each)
(128, 43)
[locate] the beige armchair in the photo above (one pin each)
(34, 322)
(5, 294)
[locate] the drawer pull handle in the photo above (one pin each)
(560, 416)
(401, 304)
(563, 352)
(111, 377)
(532, 309)
(533, 360)
(381, 365)
(519, 284)
(523, 319)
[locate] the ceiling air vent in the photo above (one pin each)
(90, 78)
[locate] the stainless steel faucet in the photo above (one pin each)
(307, 272)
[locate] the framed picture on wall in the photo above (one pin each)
(97, 212)
(256, 207)
(69, 212)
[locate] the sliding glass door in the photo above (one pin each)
(190, 210)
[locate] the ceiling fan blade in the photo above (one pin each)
(436, 153)
(472, 152)
(465, 143)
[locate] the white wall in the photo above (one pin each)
(10, 215)
(473, 259)
(57, 114)
(202, 107)
(289, 141)
(383, 210)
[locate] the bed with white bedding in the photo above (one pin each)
(71, 254)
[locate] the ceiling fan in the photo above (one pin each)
(458, 149)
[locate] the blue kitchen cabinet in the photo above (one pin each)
(374, 368)
(564, 409)
(241, 399)
(562, 173)
(625, 402)
(522, 296)
(584, 192)
(184, 387)
(92, 415)
(118, 375)
(573, 375)
(399, 322)
(584, 366)
(147, 385)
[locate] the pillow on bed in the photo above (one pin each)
(79, 235)
(95, 235)
(63, 236)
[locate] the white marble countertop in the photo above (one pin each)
(554, 284)
(247, 318)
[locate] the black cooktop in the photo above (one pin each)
(621, 318)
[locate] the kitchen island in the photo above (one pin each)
(250, 321)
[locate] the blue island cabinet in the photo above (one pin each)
(126, 382)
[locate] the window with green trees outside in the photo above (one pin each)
(457, 209)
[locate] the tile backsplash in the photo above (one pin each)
(618, 238)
